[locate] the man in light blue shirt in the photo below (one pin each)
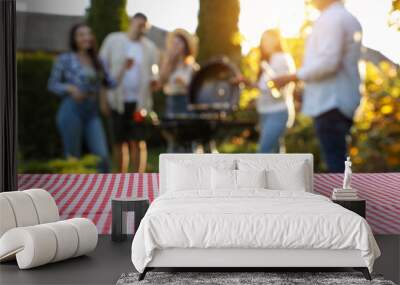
(332, 79)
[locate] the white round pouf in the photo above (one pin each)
(7, 218)
(23, 208)
(37, 245)
(31, 233)
(45, 205)
(87, 233)
(67, 240)
(32, 246)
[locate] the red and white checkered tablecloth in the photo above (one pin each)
(89, 195)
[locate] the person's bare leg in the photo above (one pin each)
(142, 156)
(135, 158)
(122, 156)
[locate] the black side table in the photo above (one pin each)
(357, 205)
(120, 205)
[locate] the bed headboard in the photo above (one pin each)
(165, 158)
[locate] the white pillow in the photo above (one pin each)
(251, 178)
(227, 179)
(193, 175)
(223, 179)
(288, 175)
(183, 178)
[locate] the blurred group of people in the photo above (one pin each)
(119, 81)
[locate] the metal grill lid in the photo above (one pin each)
(211, 89)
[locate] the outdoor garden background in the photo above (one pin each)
(375, 142)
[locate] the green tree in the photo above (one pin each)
(218, 30)
(105, 17)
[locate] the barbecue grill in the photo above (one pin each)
(211, 89)
(211, 98)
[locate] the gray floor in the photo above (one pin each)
(389, 262)
(103, 266)
(110, 260)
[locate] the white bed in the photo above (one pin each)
(248, 227)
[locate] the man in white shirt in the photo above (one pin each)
(332, 79)
(129, 57)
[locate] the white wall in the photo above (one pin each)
(61, 7)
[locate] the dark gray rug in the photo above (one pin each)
(242, 278)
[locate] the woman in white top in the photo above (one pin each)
(176, 71)
(276, 107)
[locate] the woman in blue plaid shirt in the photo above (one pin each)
(80, 79)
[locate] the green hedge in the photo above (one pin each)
(37, 132)
(87, 164)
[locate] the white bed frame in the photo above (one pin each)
(251, 258)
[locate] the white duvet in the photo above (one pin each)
(250, 219)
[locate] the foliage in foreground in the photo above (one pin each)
(87, 164)
(376, 135)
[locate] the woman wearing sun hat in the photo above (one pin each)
(177, 69)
